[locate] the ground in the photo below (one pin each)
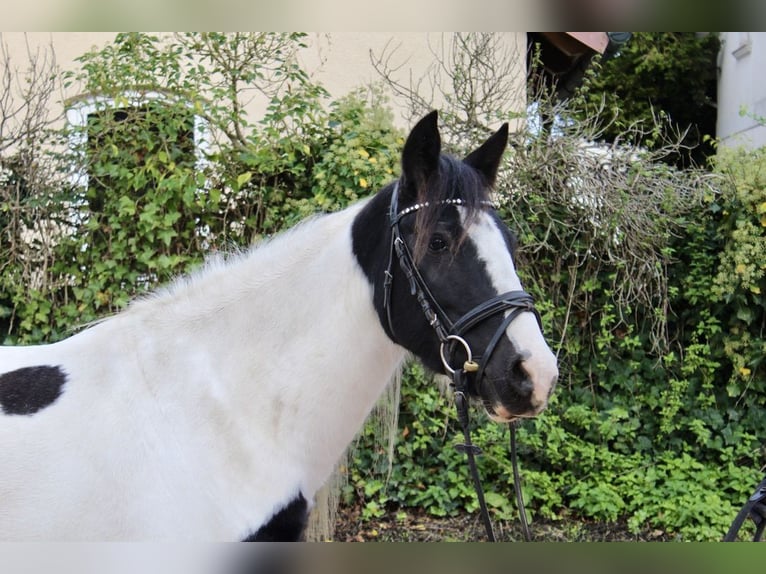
(417, 526)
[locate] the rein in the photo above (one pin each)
(755, 508)
(450, 335)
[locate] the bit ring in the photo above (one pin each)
(469, 366)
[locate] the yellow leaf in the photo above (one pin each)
(363, 182)
(744, 371)
(740, 268)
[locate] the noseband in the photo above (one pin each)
(451, 334)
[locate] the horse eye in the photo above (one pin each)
(437, 243)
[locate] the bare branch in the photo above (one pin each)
(26, 95)
(477, 80)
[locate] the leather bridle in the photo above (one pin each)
(516, 302)
(451, 334)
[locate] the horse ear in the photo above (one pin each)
(420, 157)
(487, 157)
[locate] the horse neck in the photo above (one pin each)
(286, 340)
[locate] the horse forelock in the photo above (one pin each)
(454, 180)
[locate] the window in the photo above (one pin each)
(112, 137)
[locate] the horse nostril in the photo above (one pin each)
(519, 377)
(536, 381)
(517, 368)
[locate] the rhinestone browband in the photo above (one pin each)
(456, 201)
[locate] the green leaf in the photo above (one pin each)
(243, 178)
(171, 218)
(166, 236)
(126, 206)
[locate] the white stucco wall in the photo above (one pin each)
(339, 60)
(742, 85)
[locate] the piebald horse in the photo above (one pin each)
(215, 408)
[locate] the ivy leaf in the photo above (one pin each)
(126, 206)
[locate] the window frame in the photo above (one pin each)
(79, 109)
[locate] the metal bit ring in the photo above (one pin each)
(469, 365)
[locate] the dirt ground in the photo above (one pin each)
(413, 526)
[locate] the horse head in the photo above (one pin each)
(445, 282)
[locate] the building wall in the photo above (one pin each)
(339, 60)
(742, 85)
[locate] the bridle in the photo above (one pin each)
(451, 334)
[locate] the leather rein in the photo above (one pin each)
(755, 509)
(451, 337)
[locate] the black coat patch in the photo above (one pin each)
(287, 525)
(28, 390)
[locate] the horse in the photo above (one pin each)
(216, 407)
